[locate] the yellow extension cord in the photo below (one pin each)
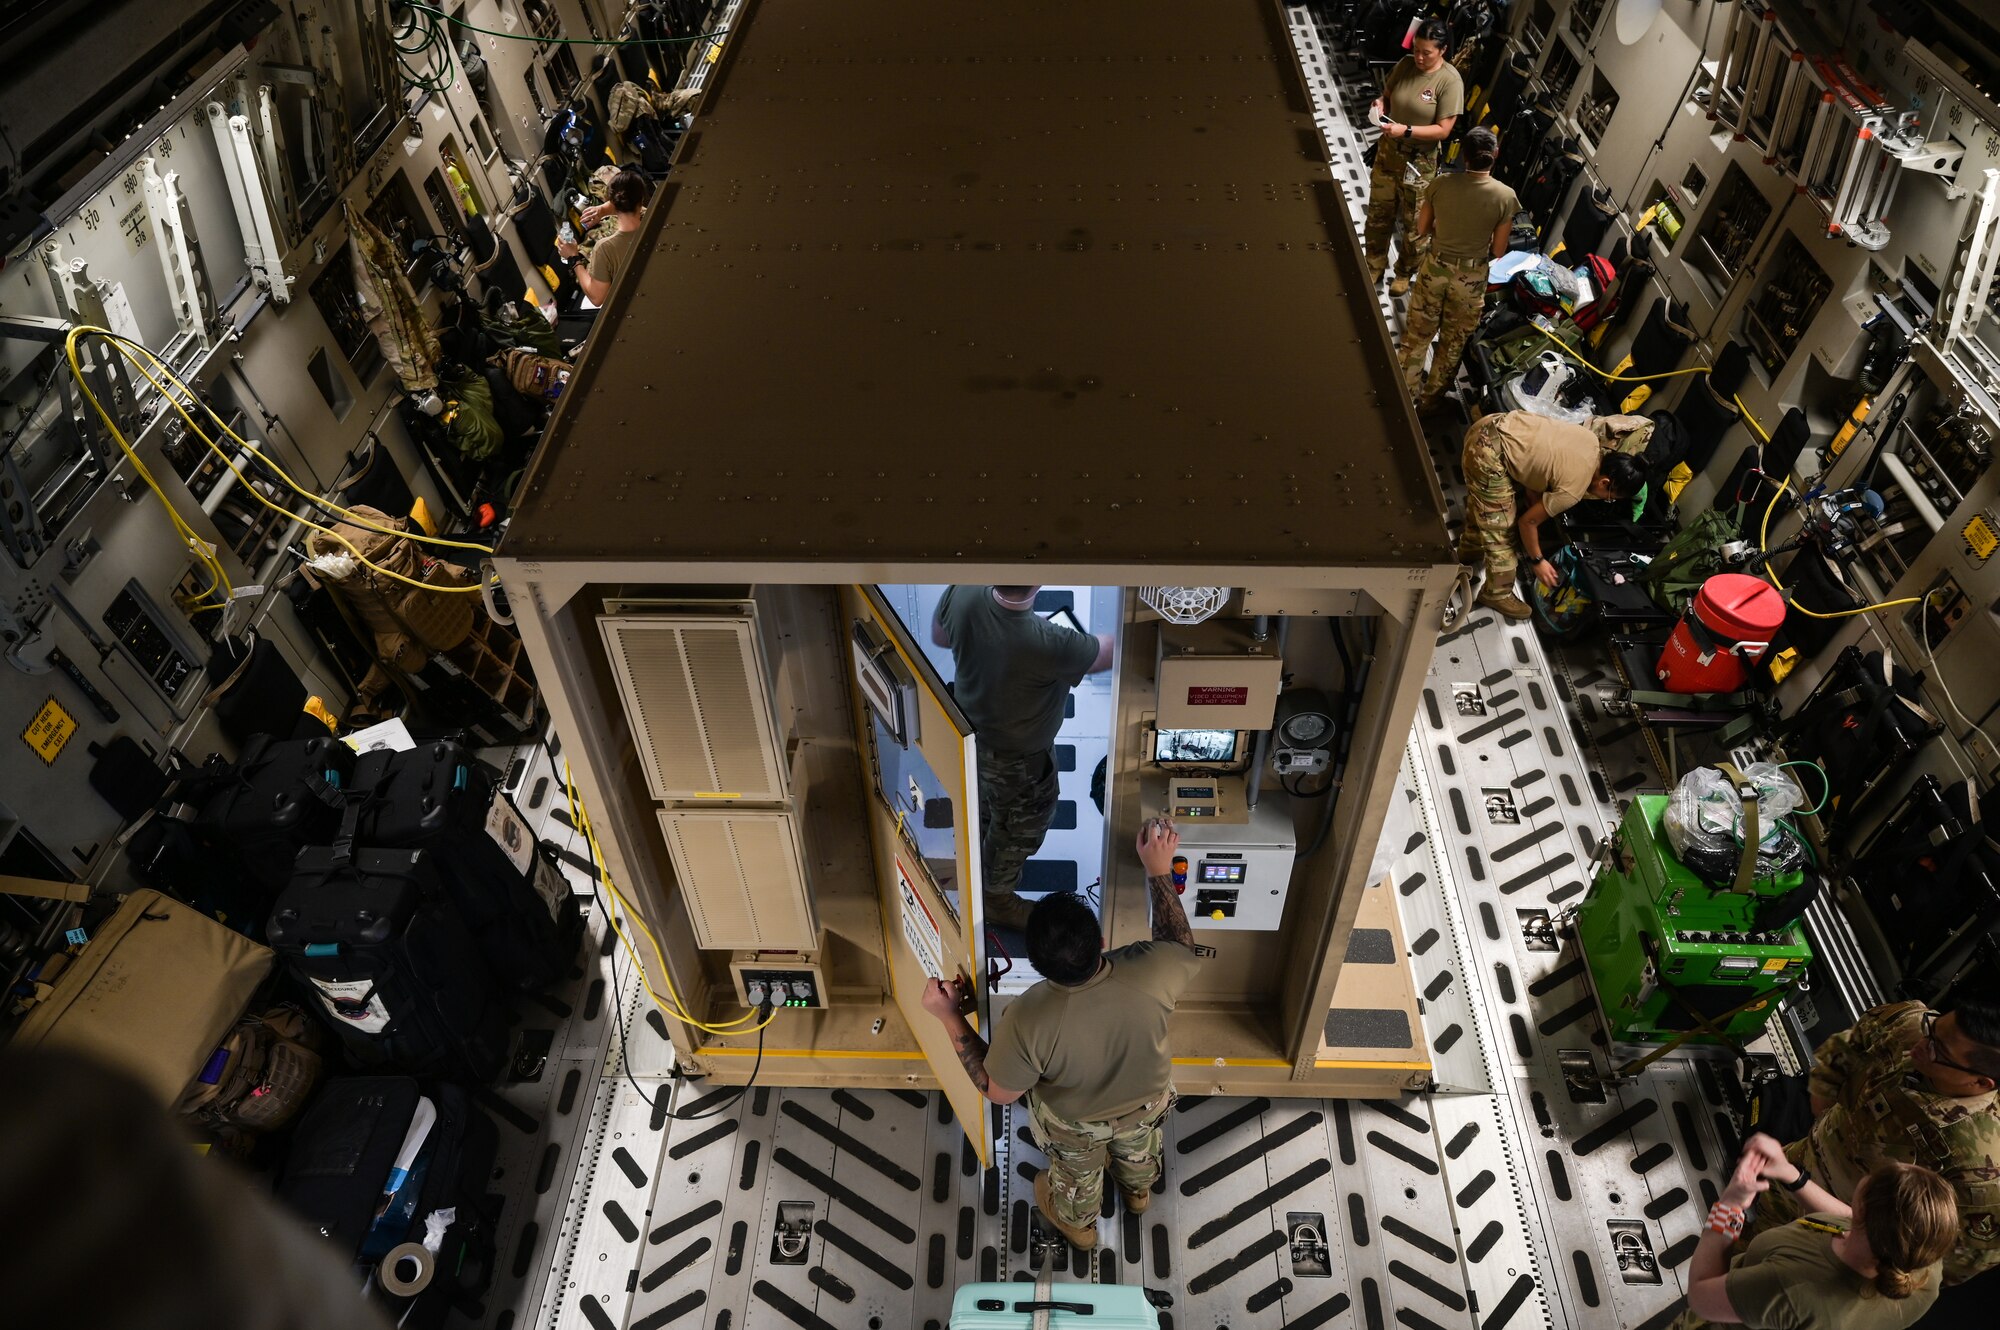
(128, 347)
(1764, 531)
(672, 1006)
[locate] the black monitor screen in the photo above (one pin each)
(1195, 746)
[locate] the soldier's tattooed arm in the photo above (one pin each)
(942, 1001)
(971, 1051)
(1158, 842)
(972, 1056)
(1170, 921)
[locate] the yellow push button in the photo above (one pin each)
(1216, 914)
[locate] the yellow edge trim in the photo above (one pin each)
(708, 1049)
(900, 1056)
(1280, 1062)
(1230, 1062)
(1387, 1066)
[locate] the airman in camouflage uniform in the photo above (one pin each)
(1466, 218)
(1420, 100)
(1557, 463)
(1134, 1142)
(1880, 1107)
(1397, 184)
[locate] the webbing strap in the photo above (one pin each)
(1746, 865)
(1045, 1287)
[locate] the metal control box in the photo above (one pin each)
(1217, 676)
(798, 971)
(1668, 951)
(1239, 865)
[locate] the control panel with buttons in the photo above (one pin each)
(782, 978)
(1235, 875)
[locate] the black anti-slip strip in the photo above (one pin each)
(1604, 1132)
(1417, 1279)
(1510, 1302)
(1389, 1145)
(1224, 1271)
(1251, 1153)
(1416, 1237)
(676, 1263)
(673, 1228)
(1222, 1126)
(793, 1311)
(848, 1245)
(706, 1137)
(1259, 1203)
(678, 1308)
(1321, 1314)
(840, 1191)
(629, 1166)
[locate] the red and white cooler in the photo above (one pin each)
(1727, 628)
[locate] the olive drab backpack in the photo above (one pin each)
(1691, 558)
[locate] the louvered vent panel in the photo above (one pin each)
(728, 701)
(697, 706)
(742, 879)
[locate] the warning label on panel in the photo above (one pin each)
(1212, 696)
(920, 928)
(49, 731)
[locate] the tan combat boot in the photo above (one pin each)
(1083, 1239)
(1505, 601)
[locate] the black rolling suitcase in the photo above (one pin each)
(277, 797)
(377, 947)
(516, 903)
(342, 1176)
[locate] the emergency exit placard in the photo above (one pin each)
(49, 731)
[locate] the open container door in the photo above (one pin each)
(919, 752)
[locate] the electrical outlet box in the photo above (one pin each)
(799, 971)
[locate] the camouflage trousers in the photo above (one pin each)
(1017, 801)
(1489, 505)
(1396, 191)
(1078, 1152)
(1447, 298)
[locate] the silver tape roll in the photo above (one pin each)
(406, 1271)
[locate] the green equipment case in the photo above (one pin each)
(1675, 958)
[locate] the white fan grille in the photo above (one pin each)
(1185, 604)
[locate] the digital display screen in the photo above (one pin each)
(1194, 791)
(1194, 745)
(1225, 874)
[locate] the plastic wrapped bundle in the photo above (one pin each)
(1704, 823)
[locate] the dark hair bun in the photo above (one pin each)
(627, 191)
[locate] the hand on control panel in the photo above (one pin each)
(1157, 843)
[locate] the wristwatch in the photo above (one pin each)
(1800, 1181)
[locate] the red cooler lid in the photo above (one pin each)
(1748, 609)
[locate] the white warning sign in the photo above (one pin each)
(920, 927)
